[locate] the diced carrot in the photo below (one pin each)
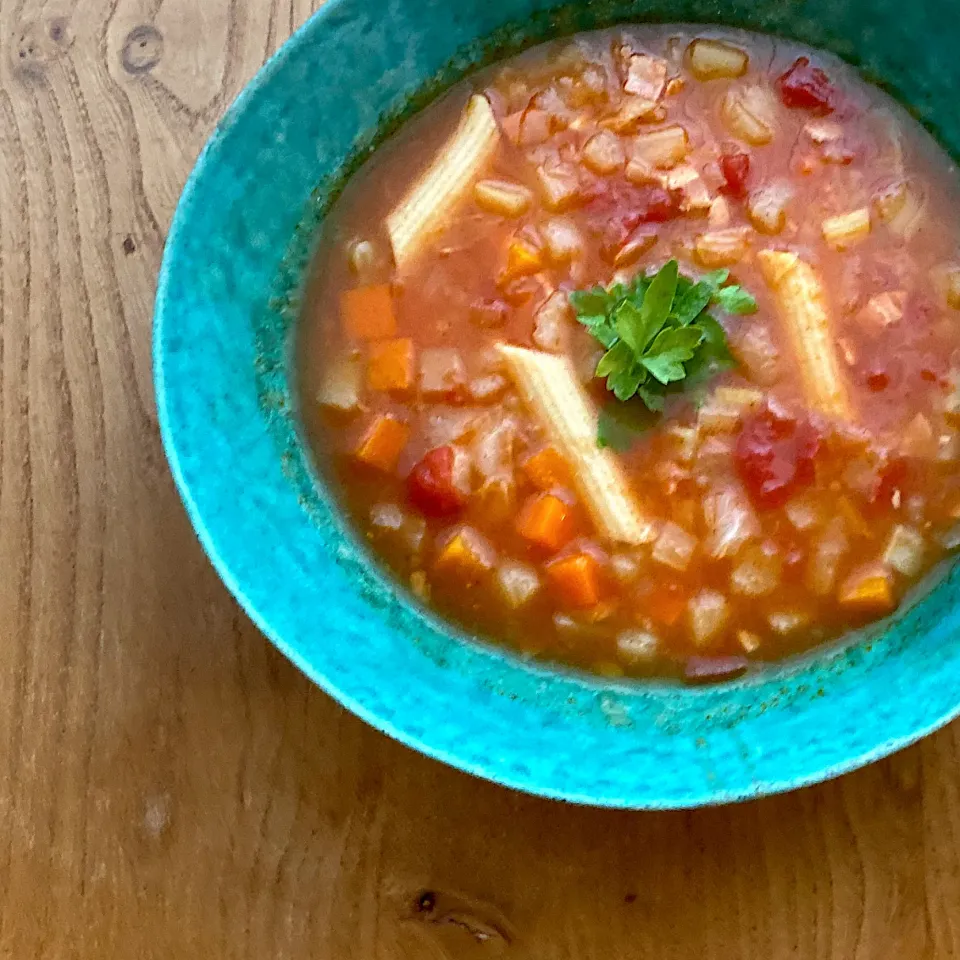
(666, 603)
(856, 525)
(869, 588)
(383, 442)
(547, 469)
(576, 580)
(390, 366)
(523, 258)
(367, 312)
(546, 522)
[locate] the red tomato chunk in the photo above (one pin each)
(775, 457)
(807, 87)
(735, 167)
(431, 487)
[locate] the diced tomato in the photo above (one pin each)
(775, 457)
(615, 214)
(807, 87)
(735, 167)
(877, 379)
(430, 485)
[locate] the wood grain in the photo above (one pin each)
(169, 786)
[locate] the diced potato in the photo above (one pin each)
(823, 561)
(847, 229)
(603, 153)
(420, 585)
(383, 442)
(714, 452)
(559, 185)
(553, 322)
(729, 519)
(576, 580)
(802, 303)
(367, 262)
(401, 526)
(749, 641)
(754, 347)
(804, 512)
(822, 130)
(625, 567)
(786, 622)
(902, 207)
(868, 589)
(946, 279)
(633, 110)
(646, 76)
(750, 113)
(342, 383)
(524, 258)
(562, 239)
(721, 248)
(708, 613)
(674, 547)
(637, 646)
(882, 311)
(519, 583)
(504, 198)
(725, 408)
(390, 365)
(714, 59)
(696, 195)
(919, 439)
(442, 372)
(686, 441)
(767, 207)
(719, 215)
(367, 312)
(757, 572)
(905, 550)
(487, 389)
(663, 148)
(466, 553)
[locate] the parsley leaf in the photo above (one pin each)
(659, 338)
(735, 299)
(620, 424)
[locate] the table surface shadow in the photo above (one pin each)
(169, 786)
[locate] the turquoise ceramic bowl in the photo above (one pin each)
(226, 309)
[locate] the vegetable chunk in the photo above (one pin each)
(802, 303)
(367, 313)
(381, 445)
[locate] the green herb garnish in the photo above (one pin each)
(657, 333)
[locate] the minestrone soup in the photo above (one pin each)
(642, 351)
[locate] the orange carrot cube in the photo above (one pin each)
(383, 442)
(467, 553)
(547, 469)
(391, 366)
(576, 580)
(546, 521)
(666, 604)
(367, 312)
(869, 589)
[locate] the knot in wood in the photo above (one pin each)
(142, 49)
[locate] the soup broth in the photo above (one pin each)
(641, 351)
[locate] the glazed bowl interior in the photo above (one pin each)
(227, 309)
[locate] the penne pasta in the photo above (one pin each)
(803, 306)
(422, 213)
(550, 387)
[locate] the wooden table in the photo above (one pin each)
(169, 785)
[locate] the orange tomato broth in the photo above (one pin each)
(513, 554)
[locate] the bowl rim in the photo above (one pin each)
(794, 774)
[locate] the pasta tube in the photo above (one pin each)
(803, 305)
(422, 213)
(549, 385)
